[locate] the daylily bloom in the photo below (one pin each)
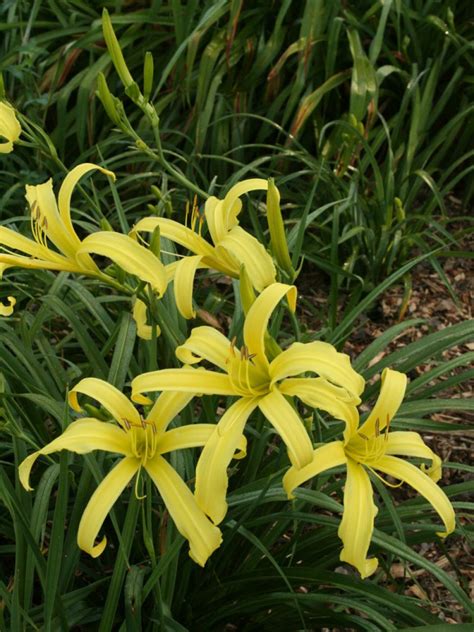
(372, 447)
(142, 444)
(51, 222)
(9, 127)
(258, 382)
(231, 245)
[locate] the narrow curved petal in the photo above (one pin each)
(409, 473)
(101, 502)
(184, 380)
(388, 402)
(249, 251)
(19, 261)
(324, 458)
(67, 187)
(11, 239)
(139, 314)
(411, 444)
(323, 359)
(214, 213)
(81, 436)
(167, 407)
(319, 393)
(44, 209)
(184, 274)
(289, 426)
(194, 436)
(231, 209)
(259, 314)
(211, 470)
(7, 310)
(358, 519)
(176, 232)
(128, 255)
(113, 400)
(205, 343)
(203, 537)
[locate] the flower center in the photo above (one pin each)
(39, 225)
(368, 450)
(143, 439)
(247, 379)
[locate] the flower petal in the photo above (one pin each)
(167, 407)
(319, 393)
(128, 255)
(67, 187)
(81, 437)
(259, 314)
(249, 251)
(231, 203)
(184, 380)
(423, 484)
(324, 458)
(204, 538)
(388, 402)
(322, 358)
(9, 127)
(289, 426)
(55, 262)
(357, 523)
(101, 502)
(144, 330)
(7, 310)
(184, 274)
(205, 343)
(194, 436)
(113, 400)
(11, 239)
(211, 470)
(411, 444)
(176, 232)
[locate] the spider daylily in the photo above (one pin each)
(51, 222)
(142, 443)
(231, 245)
(258, 383)
(9, 127)
(371, 447)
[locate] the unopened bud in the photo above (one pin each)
(148, 70)
(279, 246)
(115, 51)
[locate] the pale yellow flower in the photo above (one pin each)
(258, 382)
(231, 245)
(372, 447)
(51, 225)
(142, 444)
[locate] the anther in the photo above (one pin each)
(127, 424)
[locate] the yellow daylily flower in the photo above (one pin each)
(372, 447)
(258, 383)
(9, 127)
(231, 245)
(51, 222)
(142, 444)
